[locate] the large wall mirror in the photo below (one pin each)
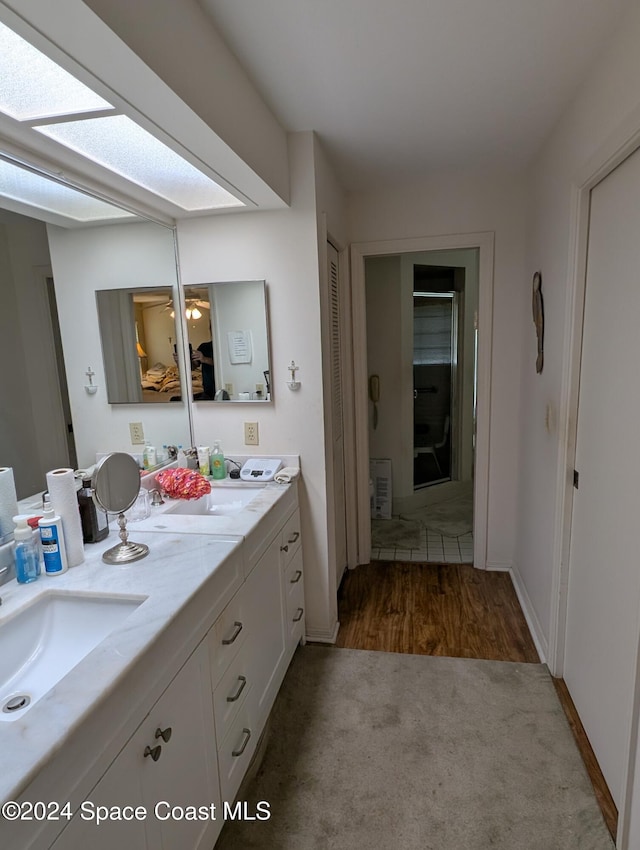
(51, 266)
(139, 345)
(227, 329)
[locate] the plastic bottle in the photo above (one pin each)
(52, 539)
(181, 458)
(25, 551)
(95, 522)
(218, 465)
(204, 460)
(149, 457)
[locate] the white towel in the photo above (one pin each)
(286, 475)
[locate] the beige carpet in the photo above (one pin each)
(377, 751)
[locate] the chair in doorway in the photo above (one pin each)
(432, 449)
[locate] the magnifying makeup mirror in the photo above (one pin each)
(116, 484)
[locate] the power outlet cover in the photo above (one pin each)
(251, 437)
(137, 433)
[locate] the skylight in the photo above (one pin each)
(32, 86)
(121, 145)
(44, 98)
(38, 191)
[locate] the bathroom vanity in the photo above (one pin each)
(160, 720)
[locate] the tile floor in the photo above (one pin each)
(433, 548)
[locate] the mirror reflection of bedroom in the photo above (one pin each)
(422, 343)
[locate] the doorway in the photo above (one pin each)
(421, 367)
(477, 412)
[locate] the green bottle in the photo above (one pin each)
(218, 466)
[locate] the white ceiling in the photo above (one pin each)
(399, 87)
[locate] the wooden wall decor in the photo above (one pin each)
(538, 318)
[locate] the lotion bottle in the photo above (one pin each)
(25, 551)
(218, 465)
(52, 539)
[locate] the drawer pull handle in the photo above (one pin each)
(243, 683)
(237, 628)
(300, 612)
(284, 548)
(243, 747)
(154, 752)
(297, 577)
(293, 539)
(165, 734)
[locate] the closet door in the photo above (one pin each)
(604, 573)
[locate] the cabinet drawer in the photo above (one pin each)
(291, 538)
(294, 577)
(294, 625)
(236, 750)
(232, 690)
(229, 634)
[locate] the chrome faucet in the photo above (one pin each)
(156, 498)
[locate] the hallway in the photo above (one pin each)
(433, 609)
(451, 610)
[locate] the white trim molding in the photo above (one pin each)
(484, 242)
(536, 630)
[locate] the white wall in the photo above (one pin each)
(110, 257)
(602, 106)
(393, 438)
(466, 202)
(281, 248)
(32, 435)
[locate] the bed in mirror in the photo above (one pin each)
(227, 332)
(139, 347)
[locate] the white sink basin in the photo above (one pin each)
(221, 501)
(42, 642)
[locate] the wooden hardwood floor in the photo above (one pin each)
(433, 609)
(452, 610)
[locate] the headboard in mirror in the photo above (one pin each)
(139, 348)
(227, 330)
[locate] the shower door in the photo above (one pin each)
(434, 385)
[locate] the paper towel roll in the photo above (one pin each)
(61, 484)
(8, 501)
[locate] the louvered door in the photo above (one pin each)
(337, 413)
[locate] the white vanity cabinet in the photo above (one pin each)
(168, 762)
(181, 728)
(245, 693)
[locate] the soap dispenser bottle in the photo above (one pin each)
(95, 522)
(25, 551)
(52, 539)
(218, 465)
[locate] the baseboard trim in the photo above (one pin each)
(530, 615)
(499, 566)
(322, 636)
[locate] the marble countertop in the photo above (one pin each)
(185, 555)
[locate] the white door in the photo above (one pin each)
(604, 571)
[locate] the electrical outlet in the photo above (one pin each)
(229, 388)
(260, 390)
(251, 434)
(137, 433)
